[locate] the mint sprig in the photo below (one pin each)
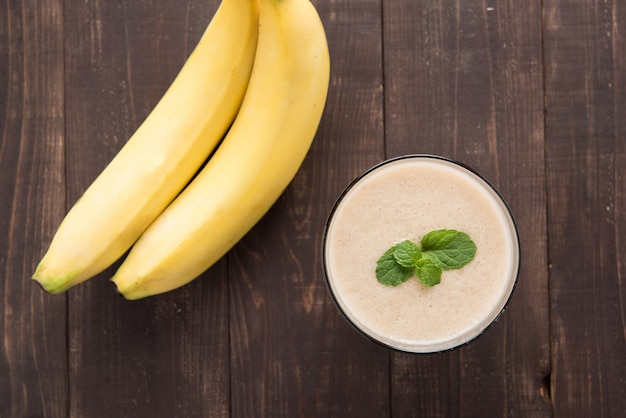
(443, 249)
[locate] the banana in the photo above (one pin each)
(163, 154)
(257, 160)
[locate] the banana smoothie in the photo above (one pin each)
(404, 199)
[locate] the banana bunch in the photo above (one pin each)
(258, 79)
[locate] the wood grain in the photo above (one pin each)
(531, 94)
(33, 355)
(585, 135)
(464, 80)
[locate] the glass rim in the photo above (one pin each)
(505, 209)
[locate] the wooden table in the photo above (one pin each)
(530, 93)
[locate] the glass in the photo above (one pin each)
(399, 199)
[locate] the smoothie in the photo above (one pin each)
(405, 198)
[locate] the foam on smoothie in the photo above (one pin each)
(405, 199)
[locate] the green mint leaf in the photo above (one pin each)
(443, 249)
(428, 272)
(449, 248)
(389, 272)
(407, 254)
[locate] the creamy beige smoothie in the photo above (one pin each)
(406, 198)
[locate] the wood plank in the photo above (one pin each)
(33, 362)
(166, 355)
(464, 80)
(292, 353)
(586, 156)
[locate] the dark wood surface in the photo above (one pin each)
(530, 93)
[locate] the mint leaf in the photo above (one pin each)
(389, 272)
(428, 272)
(407, 253)
(449, 248)
(444, 249)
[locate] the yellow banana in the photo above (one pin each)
(258, 158)
(163, 154)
